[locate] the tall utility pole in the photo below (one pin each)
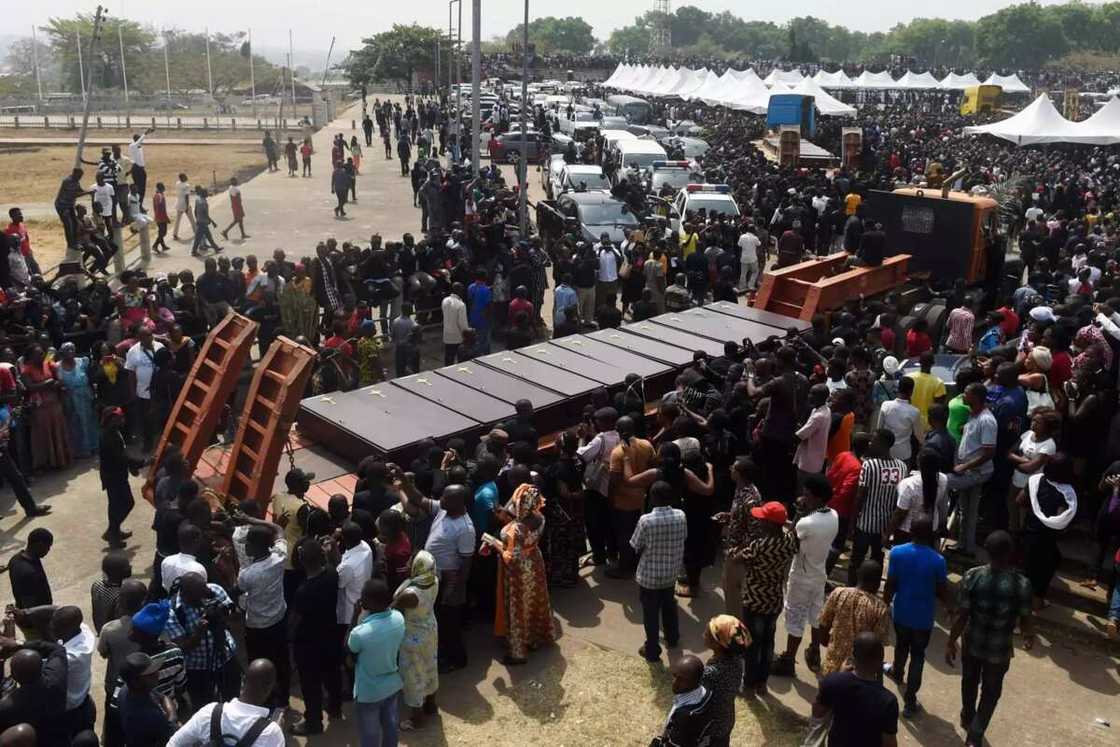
(167, 73)
(523, 162)
(35, 61)
(81, 67)
(459, 78)
(327, 66)
(209, 73)
(94, 42)
(476, 85)
(252, 76)
(124, 68)
(435, 74)
(450, 44)
(292, 73)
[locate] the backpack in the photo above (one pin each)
(217, 739)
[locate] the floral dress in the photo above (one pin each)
(418, 649)
(524, 615)
(80, 416)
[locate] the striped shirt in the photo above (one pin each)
(766, 560)
(172, 673)
(879, 479)
(961, 321)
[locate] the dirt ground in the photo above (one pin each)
(41, 168)
(123, 136)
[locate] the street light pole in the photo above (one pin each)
(459, 78)
(476, 84)
(523, 165)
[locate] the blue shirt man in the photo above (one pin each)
(376, 643)
(479, 296)
(563, 297)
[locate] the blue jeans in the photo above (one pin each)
(378, 722)
(1114, 605)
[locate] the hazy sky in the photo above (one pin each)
(350, 20)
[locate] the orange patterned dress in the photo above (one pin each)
(524, 614)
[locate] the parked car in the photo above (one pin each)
(506, 148)
(579, 177)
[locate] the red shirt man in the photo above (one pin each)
(18, 228)
(843, 476)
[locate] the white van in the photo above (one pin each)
(639, 154)
(611, 138)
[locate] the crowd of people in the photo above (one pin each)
(781, 455)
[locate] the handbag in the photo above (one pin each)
(1037, 400)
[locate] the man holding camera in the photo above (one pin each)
(198, 626)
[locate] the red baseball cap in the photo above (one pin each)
(772, 511)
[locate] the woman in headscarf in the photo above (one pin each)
(524, 615)
(115, 465)
(298, 310)
(1051, 504)
(73, 372)
(728, 639)
(50, 443)
(1093, 350)
(416, 599)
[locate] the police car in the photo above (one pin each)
(711, 198)
(677, 174)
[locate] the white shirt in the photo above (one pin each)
(103, 195)
(1031, 447)
(182, 195)
(454, 319)
(608, 264)
(262, 586)
(820, 204)
(354, 570)
(179, 564)
(911, 499)
(79, 658)
(237, 719)
(815, 533)
(136, 151)
(142, 363)
(903, 420)
(813, 445)
(451, 538)
(748, 244)
(1034, 211)
(599, 450)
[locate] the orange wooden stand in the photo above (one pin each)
(804, 289)
(208, 387)
(270, 409)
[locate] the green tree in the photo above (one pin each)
(1019, 36)
(396, 55)
(62, 36)
(687, 25)
(553, 35)
(630, 40)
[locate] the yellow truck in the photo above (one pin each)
(981, 99)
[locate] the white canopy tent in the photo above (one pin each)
(837, 80)
(786, 77)
(1041, 123)
(690, 81)
(712, 89)
(870, 80)
(1103, 128)
(1009, 83)
(954, 82)
(917, 81)
(749, 96)
(826, 104)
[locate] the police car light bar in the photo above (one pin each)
(720, 188)
(670, 165)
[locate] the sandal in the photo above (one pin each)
(407, 725)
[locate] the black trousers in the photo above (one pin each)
(81, 718)
(69, 224)
(1042, 559)
(779, 478)
(272, 643)
(450, 353)
(910, 643)
(623, 524)
(161, 237)
(985, 678)
(452, 650)
(369, 137)
(10, 471)
(206, 686)
(597, 516)
(318, 664)
(140, 180)
(404, 166)
(112, 734)
(861, 543)
(659, 609)
(760, 652)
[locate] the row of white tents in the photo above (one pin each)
(745, 91)
(1040, 122)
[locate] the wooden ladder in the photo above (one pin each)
(208, 387)
(270, 409)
